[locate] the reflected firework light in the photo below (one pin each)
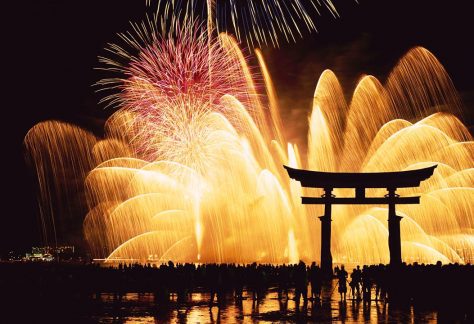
(189, 171)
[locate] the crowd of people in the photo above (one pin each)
(415, 283)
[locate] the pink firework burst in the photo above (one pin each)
(173, 81)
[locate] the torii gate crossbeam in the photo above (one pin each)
(360, 181)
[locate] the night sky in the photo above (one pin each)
(51, 50)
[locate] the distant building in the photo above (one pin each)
(45, 254)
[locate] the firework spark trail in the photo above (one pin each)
(255, 21)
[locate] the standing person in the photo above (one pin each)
(356, 278)
(301, 284)
(238, 282)
(283, 279)
(342, 282)
(315, 277)
(366, 284)
(214, 281)
(252, 277)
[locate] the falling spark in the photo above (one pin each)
(256, 22)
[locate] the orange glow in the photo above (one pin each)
(203, 181)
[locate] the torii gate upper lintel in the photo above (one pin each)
(360, 181)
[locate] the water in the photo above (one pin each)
(141, 308)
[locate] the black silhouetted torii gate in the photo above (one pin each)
(360, 181)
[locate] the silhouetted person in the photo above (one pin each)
(283, 278)
(367, 283)
(211, 278)
(261, 283)
(252, 277)
(221, 283)
(377, 279)
(238, 277)
(342, 282)
(301, 284)
(316, 279)
(356, 278)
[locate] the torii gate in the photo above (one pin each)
(360, 181)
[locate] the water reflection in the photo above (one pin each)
(143, 308)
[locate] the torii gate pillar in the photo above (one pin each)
(394, 240)
(326, 256)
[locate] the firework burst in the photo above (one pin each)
(173, 80)
(256, 22)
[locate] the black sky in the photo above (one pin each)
(51, 49)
